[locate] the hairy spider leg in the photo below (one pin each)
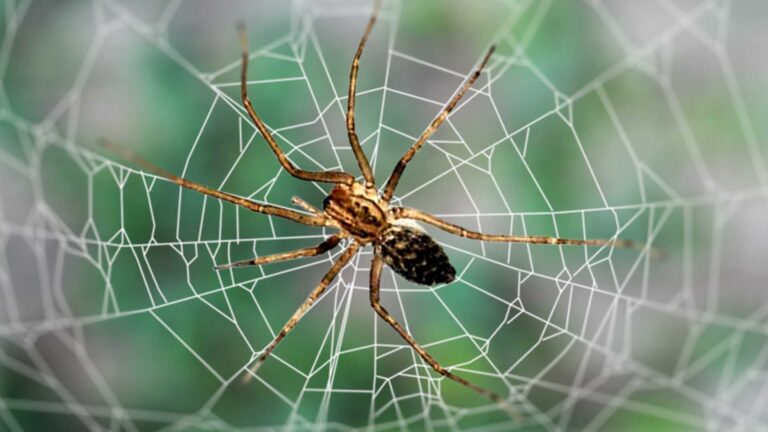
(346, 256)
(394, 178)
(312, 220)
(322, 248)
(354, 141)
(324, 176)
(409, 213)
(376, 267)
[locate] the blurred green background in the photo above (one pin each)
(641, 120)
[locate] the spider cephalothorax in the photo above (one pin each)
(356, 211)
(364, 216)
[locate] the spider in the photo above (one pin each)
(363, 216)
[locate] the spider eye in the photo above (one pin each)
(326, 202)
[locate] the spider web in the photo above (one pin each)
(594, 119)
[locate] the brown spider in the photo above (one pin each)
(364, 216)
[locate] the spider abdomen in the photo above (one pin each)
(415, 256)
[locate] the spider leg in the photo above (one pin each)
(315, 220)
(354, 141)
(394, 178)
(313, 296)
(322, 248)
(327, 176)
(409, 213)
(376, 267)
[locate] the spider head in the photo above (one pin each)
(356, 211)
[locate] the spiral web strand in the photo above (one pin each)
(106, 326)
